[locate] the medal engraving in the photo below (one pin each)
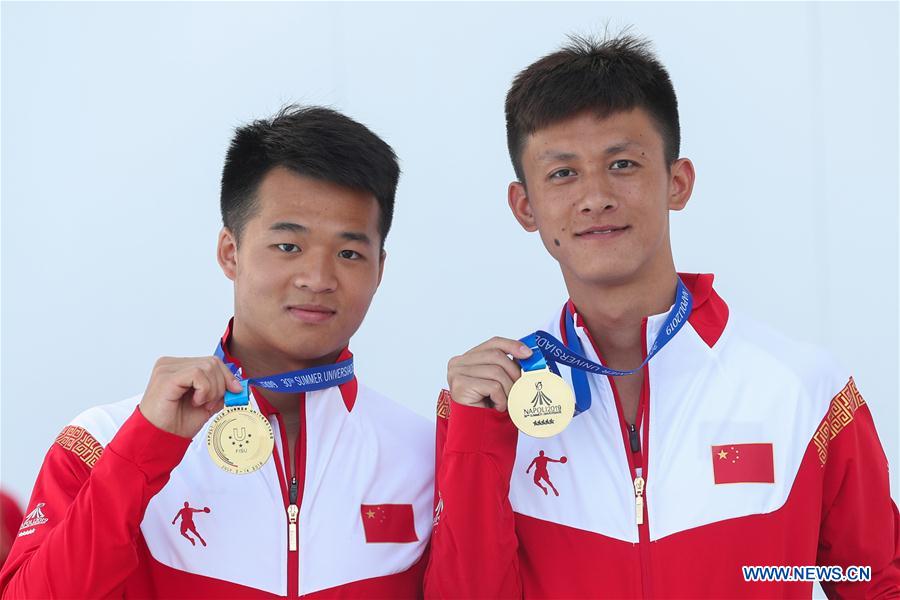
(240, 439)
(541, 404)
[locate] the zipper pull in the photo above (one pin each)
(639, 499)
(292, 512)
(634, 438)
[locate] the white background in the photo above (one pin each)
(116, 117)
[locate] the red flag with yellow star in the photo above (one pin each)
(391, 523)
(743, 463)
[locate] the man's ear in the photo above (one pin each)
(381, 259)
(517, 196)
(226, 253)
(681, 183)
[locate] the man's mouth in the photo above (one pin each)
(598, 231)
(311, 313)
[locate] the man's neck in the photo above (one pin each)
(257, 360)
(614, 312)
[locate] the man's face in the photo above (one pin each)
(599, 192)
(307, 265)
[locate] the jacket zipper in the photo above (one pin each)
(632, 442)
(640, 477)
(292, 495)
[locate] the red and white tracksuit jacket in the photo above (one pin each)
(514, 519)
(107, 516)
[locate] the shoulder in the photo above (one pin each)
(103, 422)
(759, 350)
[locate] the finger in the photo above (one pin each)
(489, 372)
(469, 390)
(221, 376)
(513, 347)
(475, 391)
(214, 407)
(232, 383)
(199, 382)
(500, 399)
(493, 356)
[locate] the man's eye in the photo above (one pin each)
(621, 164)
(291, 248)
(561, 173)
(350, 254)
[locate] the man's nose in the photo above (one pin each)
(597, 196)
(316, 273)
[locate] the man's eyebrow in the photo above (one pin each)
(621, 147)
(551, 155)
(356, 236)
(286, 226)
(352, 236)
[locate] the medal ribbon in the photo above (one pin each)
(303, 380)
(547, 350)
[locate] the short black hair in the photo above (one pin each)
(603, 76)
(313, 141)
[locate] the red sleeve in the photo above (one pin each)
(78, 538)
(473, 544)
(860, 524)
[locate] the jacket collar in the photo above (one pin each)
(709, 314)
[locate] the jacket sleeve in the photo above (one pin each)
(860, 524)
(474, 550)
(78, 540)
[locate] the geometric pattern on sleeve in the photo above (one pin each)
(81, 443)
(840, 414)
(443, 405)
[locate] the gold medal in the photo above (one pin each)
(541, 404)
(240, 439)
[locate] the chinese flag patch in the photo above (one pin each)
(391, 523)
(743, 463)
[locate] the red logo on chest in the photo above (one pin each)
(186, 515)
(541, 473)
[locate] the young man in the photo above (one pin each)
(342, 506)
(732, 447)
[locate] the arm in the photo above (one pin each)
(860, 524)
(473, 544)
(86, 548)
(528, 470)
(474, 549)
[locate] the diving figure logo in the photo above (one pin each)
(187, 522)
(540, 399)
(540, 472)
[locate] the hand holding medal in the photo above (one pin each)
(184, 392)
(486, 376)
